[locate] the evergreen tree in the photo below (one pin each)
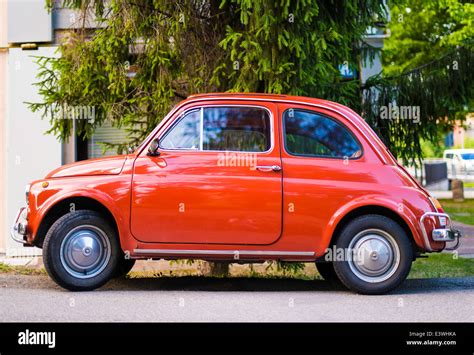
(146, 55)
(178, 48)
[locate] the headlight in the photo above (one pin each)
(27, 193)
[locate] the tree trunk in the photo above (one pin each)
(458, 190)
(219, 269)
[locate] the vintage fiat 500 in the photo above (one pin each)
(239, 178)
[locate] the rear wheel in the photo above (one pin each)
(378, 255)
(81, 251)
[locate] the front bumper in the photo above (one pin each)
(20, 226)
(444, 234)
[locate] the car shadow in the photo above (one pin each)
(248, 284)
(215, 284)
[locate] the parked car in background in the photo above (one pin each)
(239, 178)
(460, 163)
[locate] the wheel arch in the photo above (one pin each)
(374, 210)
(64, 206)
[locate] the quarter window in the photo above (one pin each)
(185, 134)
(312, 134)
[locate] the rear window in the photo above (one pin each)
(309, 133)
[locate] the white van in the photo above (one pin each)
(460, 164)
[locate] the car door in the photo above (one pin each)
(217, 179)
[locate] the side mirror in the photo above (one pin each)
(153, 148)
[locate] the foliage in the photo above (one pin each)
(421, 30)
(21, 270)
(286, 267)
(146, 56)
(178, 48)
(442, 91)
(432, 150)
(431, 48)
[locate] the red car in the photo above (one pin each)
(240, 178)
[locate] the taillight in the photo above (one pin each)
(437, 206)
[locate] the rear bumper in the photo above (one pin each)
(444, 234)
(20, 226)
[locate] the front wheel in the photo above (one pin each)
(81, 251)
(378, 255)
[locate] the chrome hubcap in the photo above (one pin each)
(85, 251)
(375, 255)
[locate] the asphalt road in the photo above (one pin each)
(194, 299)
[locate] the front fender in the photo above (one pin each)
(113, 192)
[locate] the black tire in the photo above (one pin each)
(377, 238)
(124, 266)
(326, 270)
(79, 269)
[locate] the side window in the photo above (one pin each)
(185, 134)
(239, 128)
(312, 134)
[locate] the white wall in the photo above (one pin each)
(29, 21)
(31, 154)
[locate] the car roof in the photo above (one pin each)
(345, 111)
(330, 105)
(262, 96)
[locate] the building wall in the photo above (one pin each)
(463, 132)
(27, 153)
(3, 66)
(31, 153)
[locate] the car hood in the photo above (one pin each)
(101, 166)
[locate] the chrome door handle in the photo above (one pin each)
(267, 168)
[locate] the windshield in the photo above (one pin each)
(467, 156)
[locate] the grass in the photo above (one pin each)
(442, 265)
(469, 184)
(265, 270)
(20, 270)
(460, 211)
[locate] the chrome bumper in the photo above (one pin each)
(446, 234)
(18, 231)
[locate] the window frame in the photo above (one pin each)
(283, 121)
(201, 139)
